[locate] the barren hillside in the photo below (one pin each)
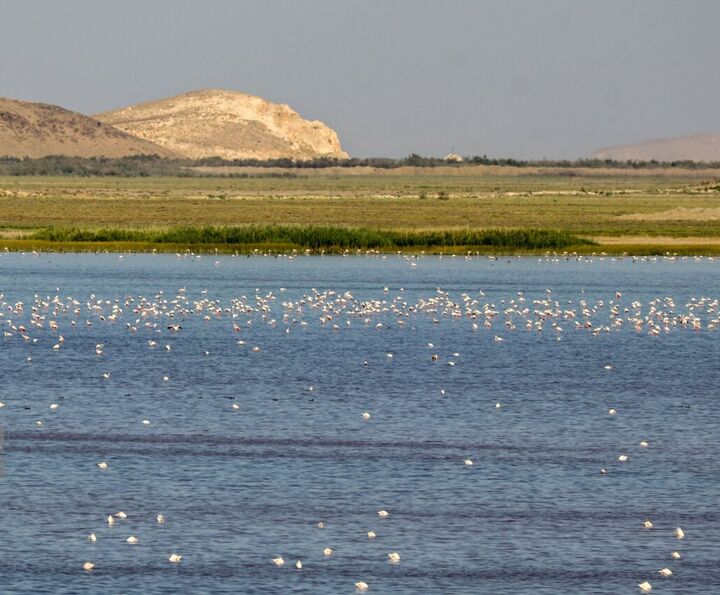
(695, 147)
(227, 124)
(38, 129)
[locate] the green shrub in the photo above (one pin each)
(321, 238)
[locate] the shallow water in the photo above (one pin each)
(240, 487)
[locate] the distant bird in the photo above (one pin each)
(327, 552)
(393, 557)
(320, 525)
(110, 520)
(666, 572)
(643, 444)
(366, 415)
(54, 406)
(235, 406)
(623, 458)
(175, 558)
(278, 561)
(645, 587)
(371, 535)
(648, 524)
(679, 533)
(361, 586)
(92, 538)
(103, 465)
(469, 463)
(612, 411)
(298, 565)
(120, 514)
(132, 540)
(88, 566)
(383, 514)
(146, 422)
(676, 555)
(160, 519)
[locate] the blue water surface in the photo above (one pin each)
(530, 357)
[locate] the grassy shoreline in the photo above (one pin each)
(161, 241)
(287, 238)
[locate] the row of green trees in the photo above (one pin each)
(152, 165)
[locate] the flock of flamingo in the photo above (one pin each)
(51, 322)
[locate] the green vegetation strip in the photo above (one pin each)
(321, 238)
(153, 165)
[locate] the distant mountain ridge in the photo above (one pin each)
(228, 124)
(692, 147)
(30, 129)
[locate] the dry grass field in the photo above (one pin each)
(628, 210)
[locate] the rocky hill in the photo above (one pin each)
(227, 124)
(38, 129)
(695, 147)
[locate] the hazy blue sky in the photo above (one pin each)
(532, 78)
